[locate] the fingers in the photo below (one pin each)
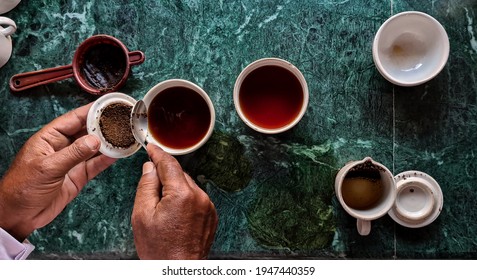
(59, 163)
(210, 229)
(148, 189)
(72, 122)
(82, 173)
(169, 170)
(60, 132)
(98, 164)
(211, 215)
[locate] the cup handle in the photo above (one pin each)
(363, 226)
(136, 57)
(12, 27)
(28, 80)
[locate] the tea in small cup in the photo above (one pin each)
(180, 116)
(271, 95)
(366, 189)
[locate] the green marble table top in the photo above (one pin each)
(274, 194)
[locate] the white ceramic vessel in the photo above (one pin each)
(419, 199)
(7, 28)
(93, 125)
(270, 62)
(173, 83)
(383, 205)
(410, 48)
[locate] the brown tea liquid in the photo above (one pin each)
(271, 97)
(104, 65)
(178, 117)
(362, 189)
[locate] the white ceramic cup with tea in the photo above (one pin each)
(7, 28)
(180, 116)
(271, 95)
(366, 190)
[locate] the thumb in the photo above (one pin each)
(148, 189)
(62, 161)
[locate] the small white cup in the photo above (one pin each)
(178, 83)
(410, 48)
(5, 39)
(272, 85)
(7, 5)
(381, 207)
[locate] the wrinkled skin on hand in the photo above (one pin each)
(172, 217)
(49, 171)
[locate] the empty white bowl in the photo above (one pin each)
(410, 48)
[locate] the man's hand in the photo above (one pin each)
(49, 172)
(172, 217)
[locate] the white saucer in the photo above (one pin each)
(7, 5)
(92, 124)
(5, 49)
(419, 199)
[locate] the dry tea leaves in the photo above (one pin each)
(115, 125)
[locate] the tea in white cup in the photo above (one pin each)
(180, 116)
(271, 95)
(366, 189)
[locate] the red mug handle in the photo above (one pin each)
(136, 57)
(28, 80)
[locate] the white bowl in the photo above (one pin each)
(410, 48)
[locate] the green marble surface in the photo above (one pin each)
(274, 194)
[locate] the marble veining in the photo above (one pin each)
(274, 194)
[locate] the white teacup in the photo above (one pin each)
(410, 48)
(366, 189)
(271, 95)
(5, 39)
(180, 116)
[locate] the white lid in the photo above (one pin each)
(419, 199)
(92, 124)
